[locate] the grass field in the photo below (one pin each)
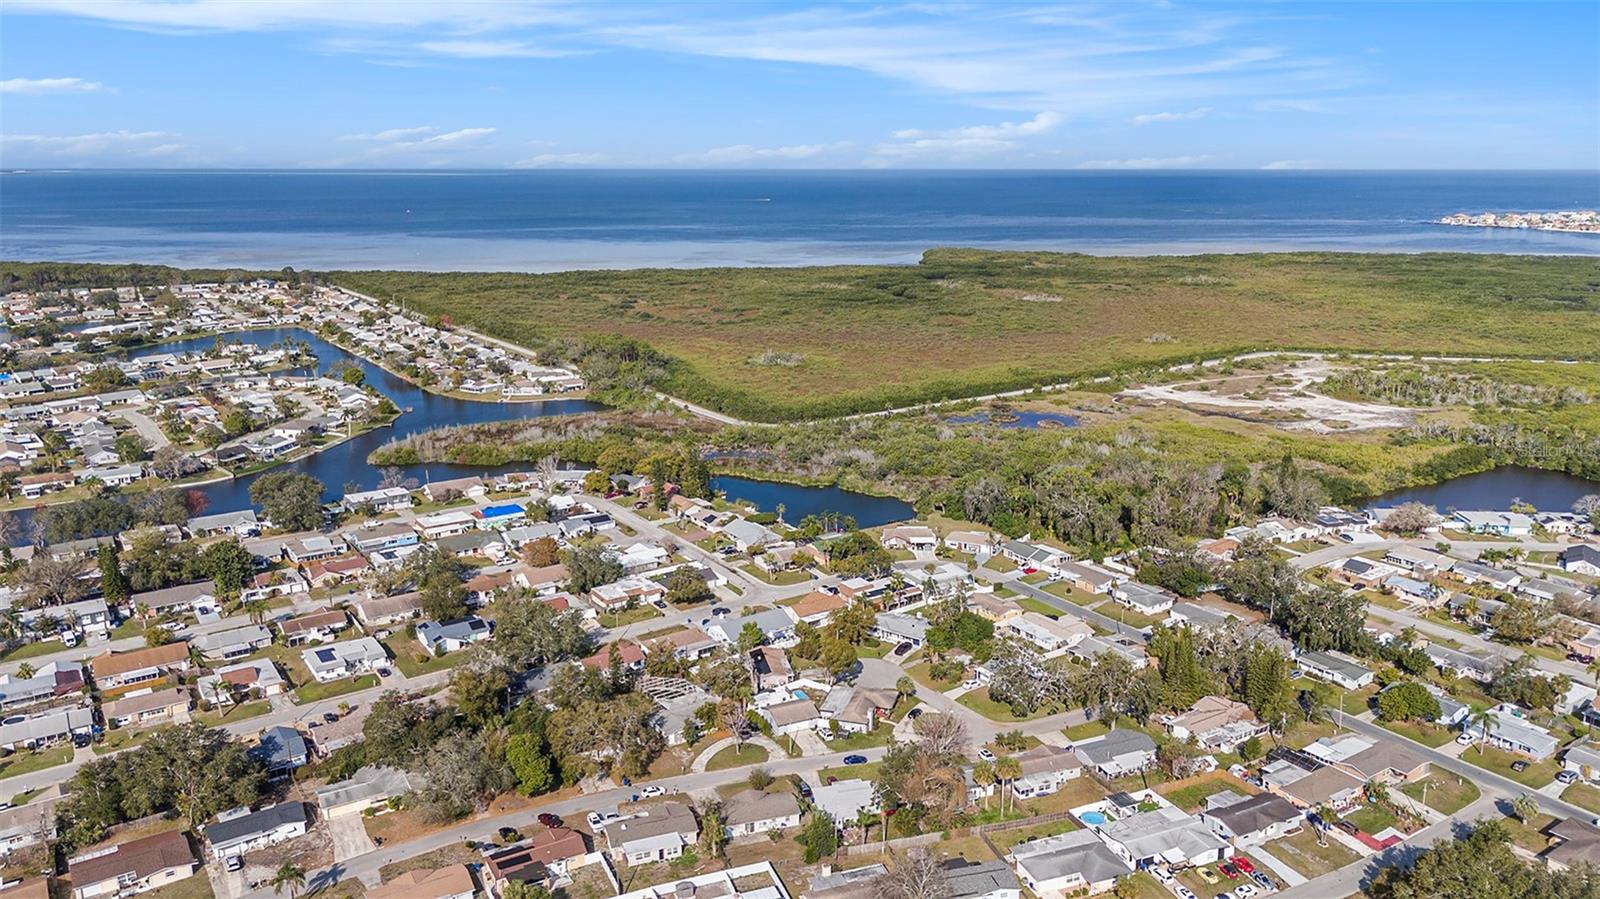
(1446, 792)
(967, 322)
(1301, 852)
(735, 756)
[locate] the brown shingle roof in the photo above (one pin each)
(141, 857)
(110, 664)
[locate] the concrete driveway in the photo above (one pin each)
(350, 838)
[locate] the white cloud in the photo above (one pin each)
(49, 86)
(742, 153)
(1293, 165)
(422, 136)
(136, 143)
(482, 49)
(465, 16)
(561, 160)
(1151, 118)
(964, 143)
(1148, 162)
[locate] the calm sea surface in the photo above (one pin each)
(545, 221)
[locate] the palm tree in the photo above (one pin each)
(983, 775)
(288, 875)
(713, 835)
(1007, 769)
(25, 671)
(1594, 670)
(1525, 807)
(1481, 719)
(904, 687)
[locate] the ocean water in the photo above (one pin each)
(548, 221)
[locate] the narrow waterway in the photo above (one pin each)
(345, 465)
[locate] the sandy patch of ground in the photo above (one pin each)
(1287, 400)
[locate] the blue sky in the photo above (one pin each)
(544, 83)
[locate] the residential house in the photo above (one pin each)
(46, 728)
(449, 636)
(242, 523)
(1045, 769)
(137, 866)
(895, 628)
(855, 709)
(384, 611)
(312, 549)
(1584, 558)
(1216, 723)
(1051, 636)
(792, 717)
(170, 706)
(1451, 712)
(270, 584)
(1090, 648)
(1419, 561)
(545, 858)
(1087, 577)
(753, 811)
(1246, 821)
(1118, 753)
(1325, 785)
(340, 660)
(976, 543)
(1583, 760)
(769, 666)
(1479, 573)
(629, 655)
(1511, 730)
(282, 750)
(1335, 668)
(817, 607)
(175, 600)
(242, 830)
(846, 800)
(1196, 616)
(690, 644)
(1500, 524)
(1165, 834)
(444, 491)
(627, 592)
(1143, 598)
(1478, 666)
(993, 608)
(258, 678)
(330, 572)
(50, 681)
(449, 523)
(233, 643)
(1575, 842)
(542, 581)
(979, 880)
(776, 627)
(1070, 864)
(383, 499)
(369, 787)
(113, 670)
(910, 537)
(376, 537)
(652, 833)
(313, 627)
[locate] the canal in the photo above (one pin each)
(346, 463)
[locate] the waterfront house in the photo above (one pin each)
(242, 523)
(379, 501)
(1499, 524)
(914, 538)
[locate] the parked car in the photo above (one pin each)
(652, 790)
(1519, 766)
(1466, 739)
(1186, 893)
(855, 760)
(903, 648)
(595, 822)
(1243, 864)
(549, 820)
(805, 790)
(720, 612)
(1162, 875)
(1228, 870)
(234, 863)
(1264, 880)
(986, 755)
(1208, 875)
(330, 717)
(915, 713)
(1246, 890)
(1566, 777)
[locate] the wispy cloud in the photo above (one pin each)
(49, 86)
(964, 143)
(422, 136)
(465, 16)
(561, 161)
(739, 154)
(1153, 117)
(490, 49)
(1149, 162)
(134, 143)
(1293, 165)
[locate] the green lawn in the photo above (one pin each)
(1443, 791)
(1371, 818)
(1031, 604)
(1071, 594)
(313, 692)
(854, 742)
(629, 616)
(233, 713)
(1301, 852)
(736, 756)
(1529, 834)
(1194, 795)
(780, 578)
(1005, 839)
(1000, 564)
(413, 660)
(919, 673)
(979, 701)
(1427, 733)
(26, 762)
(868, 771)
(33, 650)
(1087, 729)
(1582, 795)
(122, 738)
(1499, 761)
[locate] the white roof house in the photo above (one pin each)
(338, 660)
